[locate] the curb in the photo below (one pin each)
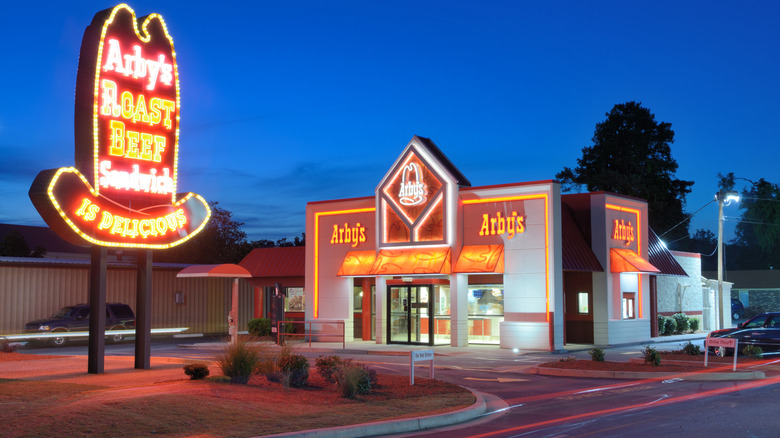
(397, 426)
(641, 375)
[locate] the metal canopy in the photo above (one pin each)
(224, 271)
(221, 271)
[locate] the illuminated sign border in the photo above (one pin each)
(546, 198)
(316, 312)
(64, 195)
(638, 233)
(145, 37)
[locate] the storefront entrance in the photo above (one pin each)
(418, 314)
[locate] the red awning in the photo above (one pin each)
(480, 258)
(396, 262)
(224, 271)
(625, 260)
(357, 263)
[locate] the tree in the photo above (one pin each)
(222, 241)
(758, 230)
(631, 155)
(14, 245)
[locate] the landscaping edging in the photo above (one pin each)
(638, 375)
(404, 425)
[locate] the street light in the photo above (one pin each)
(723, 197)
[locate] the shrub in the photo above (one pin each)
(753, 351)
(681, 320)
(268, 365)
(652, 356)
(670, 326)
(327, 366)
(238, 360)
(597, 354)
(294, 369)
(691, 349)
(259, 327)
(694, 325)
(196, 371)
(661, 325)
(567, 359)
(354, 378)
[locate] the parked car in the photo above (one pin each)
(762, 330)
(737, 309)
(76, 319)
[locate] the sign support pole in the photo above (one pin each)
(143, 309)
(97, 311)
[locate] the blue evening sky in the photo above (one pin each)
(285, 102)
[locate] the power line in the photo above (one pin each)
(686, 219)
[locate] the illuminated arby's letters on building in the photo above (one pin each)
(350, 234)
(622, 230)
(499, 225)
(123, 189)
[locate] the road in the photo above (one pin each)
(528, 405)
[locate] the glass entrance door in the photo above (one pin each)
(409, 309)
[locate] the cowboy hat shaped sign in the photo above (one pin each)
(122, 191)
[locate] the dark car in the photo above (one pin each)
(737, 309)
(76, 319)
(762, 330)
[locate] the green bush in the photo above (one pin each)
(652, 356)
(691, 349)
(268, 364)
(694, 325)
(354, 378)
(682, 322)
(597, 354)
(259, 327)
(753, 351)
(661, 325)
(294, 370)
(196, 371)
(327, 366)
(670, 326)
(238, 360)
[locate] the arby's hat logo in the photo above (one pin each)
(122, 190)
(413, 191)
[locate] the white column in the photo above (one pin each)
(380, 306)
(459, 313)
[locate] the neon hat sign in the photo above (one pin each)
(122, 191)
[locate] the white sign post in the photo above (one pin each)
(418, 356)
(722, 343)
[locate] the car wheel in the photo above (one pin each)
(735, 315)
(721, 351)
(58, 341)
(117, 338)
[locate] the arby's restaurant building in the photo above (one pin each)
(435, 261)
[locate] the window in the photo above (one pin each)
(628, 305)
(582, 302)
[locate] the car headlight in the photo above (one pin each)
(44, 328)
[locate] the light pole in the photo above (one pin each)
(722, 197)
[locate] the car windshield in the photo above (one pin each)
(65, 311)
(756, 322)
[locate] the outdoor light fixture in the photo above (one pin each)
(724, 198)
